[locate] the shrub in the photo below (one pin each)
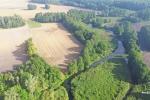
(31, 7)
(11, 21)
(47, 6)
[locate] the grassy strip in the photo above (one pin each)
(33, 24)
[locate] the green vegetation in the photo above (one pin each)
(34, 80)
(144, 14)
(139, 71)
(96, 44)
(107, 81)
(31, 7)
(144, 36)
(33, 24)
(87, 17)
(49, 17)
(132, 4)
(139, 92)
(47, 1)
(31, 49)
(11, 21)
(105, 8)
(47, 6)
(59, 94)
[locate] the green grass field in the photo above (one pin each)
(33, 24)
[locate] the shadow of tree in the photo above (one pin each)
(20, 53)
(141, 96)
(121, 70)
(75, 51)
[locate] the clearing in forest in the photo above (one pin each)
(56, 45)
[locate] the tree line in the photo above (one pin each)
(49, 17)
(132, 5)
(139, 71)
(11, 21)
(144, 36)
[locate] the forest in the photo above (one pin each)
(99, 73)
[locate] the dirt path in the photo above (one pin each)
(56, 45)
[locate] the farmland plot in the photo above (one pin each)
(55, 44)
(12, 47)
(13, 4)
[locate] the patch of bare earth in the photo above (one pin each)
(56, 45)
(12, 47)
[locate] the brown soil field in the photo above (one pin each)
(56, 45)
(53, 42)
(13, 4)
(12, 47)
(146, 56)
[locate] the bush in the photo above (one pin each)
(47, 6)
(11, 21)
(31, 7)
(31, 49)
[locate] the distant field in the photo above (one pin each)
(56, 45)
(13, 4)
(28, 14)
(12, 47)
(19, 7)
